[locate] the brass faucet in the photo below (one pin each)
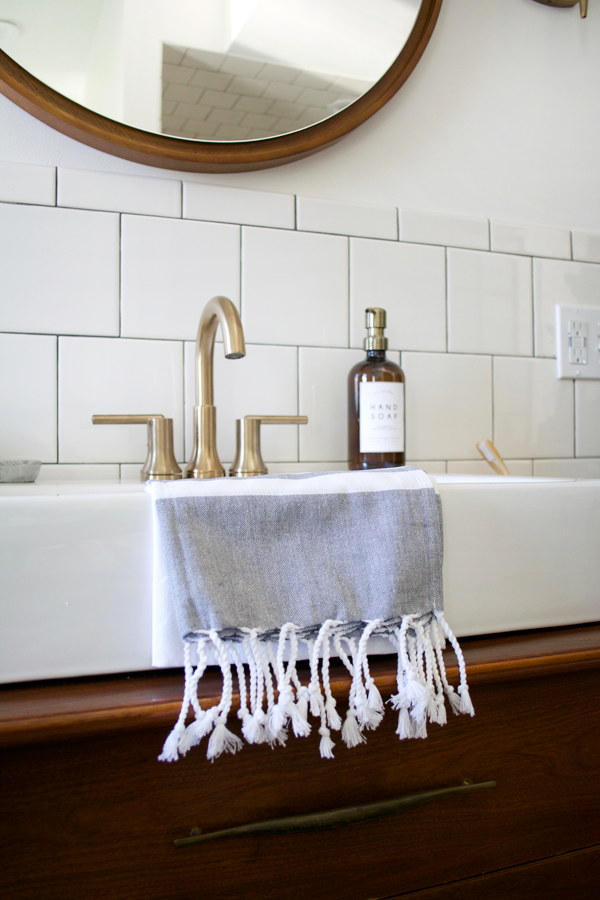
(204, 461)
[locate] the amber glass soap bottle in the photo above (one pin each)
(375, 403)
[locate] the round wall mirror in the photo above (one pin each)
(209, 85)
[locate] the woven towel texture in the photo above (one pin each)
(236, 560)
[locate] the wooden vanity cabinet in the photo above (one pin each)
(88, 812)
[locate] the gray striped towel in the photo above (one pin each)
(254, 566)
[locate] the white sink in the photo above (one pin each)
(76, 567)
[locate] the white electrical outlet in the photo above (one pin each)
(578, 341)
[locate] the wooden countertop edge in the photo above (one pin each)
(147, 714)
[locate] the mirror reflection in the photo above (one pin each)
(212, 70)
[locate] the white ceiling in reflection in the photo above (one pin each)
(123, 58)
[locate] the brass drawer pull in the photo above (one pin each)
(335, 818)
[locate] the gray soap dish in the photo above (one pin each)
(19, 471)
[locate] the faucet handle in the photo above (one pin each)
(160, 462)
(248, 459)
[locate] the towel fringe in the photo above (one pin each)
(258, 659)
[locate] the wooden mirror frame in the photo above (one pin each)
(168, 152)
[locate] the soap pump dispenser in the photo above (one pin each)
(375, 403)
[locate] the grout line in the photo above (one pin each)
(571, 241)
(327, 347)
(295, 212)
(533, 312)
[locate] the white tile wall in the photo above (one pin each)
(431, 466)
(294, 287)
(59, 270)
(448, 404)
(20, 183)
(519, 467)
(358, 219)
(106, 376)
(264, 382)
(587, 418)
(532, 240)
(28, 397)
(567, 468)
(533, 410)
(437, 228)
(586, 246)
(170, 270)
(489, 303)
(220, 204)
(567, 283)
(118, 193)
(323, 375)
(409, 282)
(58, 474)
(115, 296)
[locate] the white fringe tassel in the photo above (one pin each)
(421, 682)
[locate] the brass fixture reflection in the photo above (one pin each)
(204, 461)
(583, 5)
(248, 459)
(160, 464)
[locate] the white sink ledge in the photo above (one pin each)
(76, 567)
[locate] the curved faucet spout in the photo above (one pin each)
(204, 462)
(218, 311)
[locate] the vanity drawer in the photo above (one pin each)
(98, 816)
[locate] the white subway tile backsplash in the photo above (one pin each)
(20, 183)
(587, 418)
(61, 473)
(264, 382)
(566, 468)
(448, 404)
(516, 467)
(489, 303)
(586, 246)
(531, 240)
(335, 217)
(409, 282)
(28, 397)
(277, 468)
(170, 269)
(568, 283)
(132, 471)
(294, 288)
(533, 410)
(324, 399)
(431, 466)
(214, 203)
(107, 376)
(118, 193)
(302, 271)
(438, 228)
(59, 270)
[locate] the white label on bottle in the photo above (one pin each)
(381, 416)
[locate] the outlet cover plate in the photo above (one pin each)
(578, 341)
